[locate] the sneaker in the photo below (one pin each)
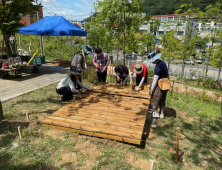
(155, 114)
(161, 115)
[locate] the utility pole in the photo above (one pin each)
(40, 37)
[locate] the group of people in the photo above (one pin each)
(72, 84)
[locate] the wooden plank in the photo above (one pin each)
(128, 121)
(104, 121)
(99, 129)
(104, 107)
(117, 89)
(93, 124)
(105, 114)
(107, 136)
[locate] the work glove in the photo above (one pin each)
(118, 79)
(131, 83)
(137, 89)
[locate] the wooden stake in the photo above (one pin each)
(20, 132)
(1, 111)
(177, 151)
(27, 117)
(109, 70)
(112, 72)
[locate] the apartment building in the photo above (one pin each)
(169, 22)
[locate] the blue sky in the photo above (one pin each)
(70, 9)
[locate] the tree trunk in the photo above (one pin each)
(7, 44)
(117, 57)
(221, 111)
(183, 68)
(1, 111)
(218, 78)
(168, 65)
(3, 41)
(205, 73)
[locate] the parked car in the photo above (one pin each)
(199, 61)
(189, 61)
(131, 56)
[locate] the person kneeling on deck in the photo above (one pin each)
(122, 73)
(68, 86)
(160, 85)
(141, 75)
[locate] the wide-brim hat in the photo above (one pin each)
(74, 71)
(153, 56)
(138, 68)
(87, 49)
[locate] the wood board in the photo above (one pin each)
(104, 115)
(118, 89)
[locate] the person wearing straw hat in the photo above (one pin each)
(141, 75)
(69, 85)
(101, 62)
(158, 95)
(122, 73)
(79, 60)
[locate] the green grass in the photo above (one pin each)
(200, 87)
(201, 106)
(45, 148)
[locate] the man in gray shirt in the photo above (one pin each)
(79, 58)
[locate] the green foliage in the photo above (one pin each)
(10, 12)
(159, 7)
(107, 28)
(56, 47)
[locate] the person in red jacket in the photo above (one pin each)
(141, 75)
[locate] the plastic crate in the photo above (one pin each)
(38, 60)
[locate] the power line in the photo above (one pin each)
(49, 10)
(58, 10)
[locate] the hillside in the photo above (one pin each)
(160, 7)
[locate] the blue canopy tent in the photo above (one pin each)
(52, 26)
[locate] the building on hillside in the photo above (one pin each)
(32, 18)
(205, 29)
(169, 22)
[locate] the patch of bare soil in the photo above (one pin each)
(142, 164)
(55, 134)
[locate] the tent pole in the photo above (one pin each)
(20, 51)
(71, 48)
(43, 51)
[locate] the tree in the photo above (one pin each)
(170, 46)
(123, 15)
(187, 44)
(216, 59)
(147, 40)
(212, 14)
(10, 12)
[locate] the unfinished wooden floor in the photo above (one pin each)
(112, 112)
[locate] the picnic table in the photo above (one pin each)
(4, 73)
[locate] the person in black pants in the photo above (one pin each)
(122, 74)
(101, 62)
(68, 86)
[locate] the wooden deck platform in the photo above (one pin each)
(105, 113)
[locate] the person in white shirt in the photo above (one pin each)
(69, 86)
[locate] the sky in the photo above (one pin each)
(70, 9)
